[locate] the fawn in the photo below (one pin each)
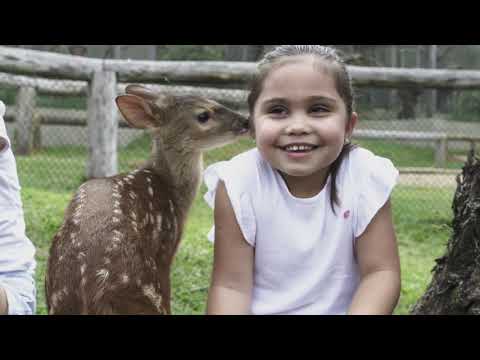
(114, 250)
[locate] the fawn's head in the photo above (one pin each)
(191, 121)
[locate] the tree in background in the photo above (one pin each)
(243, 52)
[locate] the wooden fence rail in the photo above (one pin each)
(100, 80)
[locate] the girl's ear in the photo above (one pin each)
(351, 124)
(136, 111)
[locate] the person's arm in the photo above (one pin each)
(232, 276)
(3, 301)
(379, 263)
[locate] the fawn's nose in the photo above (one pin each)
(242, 125)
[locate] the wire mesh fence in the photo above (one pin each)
(429, 147)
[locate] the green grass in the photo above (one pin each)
(422, 234)
(403, 155)
(421, 216)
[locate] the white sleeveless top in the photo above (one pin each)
(304, 253)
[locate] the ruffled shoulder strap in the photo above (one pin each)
(375, 177)
(239, 176)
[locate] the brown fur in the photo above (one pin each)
(114, 251)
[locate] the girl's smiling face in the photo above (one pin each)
(300, 120)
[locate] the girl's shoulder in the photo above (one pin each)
(241, 166)
(361, 161)
(362, 169)
(239, 173)
(370, 180)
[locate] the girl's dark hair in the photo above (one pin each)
(330, 61)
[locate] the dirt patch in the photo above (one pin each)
(429, 180)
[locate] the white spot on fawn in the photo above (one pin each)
(102, 276)
(125, 279)
(132, 195)
(115, 220)
(150, 191)
(159, 222)
(117, 236)
(82, 269)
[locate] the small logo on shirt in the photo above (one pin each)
(346, 214)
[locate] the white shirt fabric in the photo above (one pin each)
(304, 253)
(17, 263)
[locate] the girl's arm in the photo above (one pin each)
(3, 302)
(379, 263)
(232, 277)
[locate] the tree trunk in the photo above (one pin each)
(152, 52)
(393, 63)
(408, 100)
(116, 51)
(455, 286)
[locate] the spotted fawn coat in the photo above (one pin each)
(114, 250)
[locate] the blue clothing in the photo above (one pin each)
(17, 253)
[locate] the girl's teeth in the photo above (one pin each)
(298, 148)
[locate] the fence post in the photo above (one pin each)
(102, 124)
(441, 153)
(26, 120)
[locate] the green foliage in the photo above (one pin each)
(467, 106)
(63, 102)
(8, 95)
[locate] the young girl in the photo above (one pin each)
(303, 222)
(17, 262)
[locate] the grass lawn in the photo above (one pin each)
(422, 217)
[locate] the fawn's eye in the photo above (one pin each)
(203, 117)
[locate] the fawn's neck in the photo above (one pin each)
(181, 167)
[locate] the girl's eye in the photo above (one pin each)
(203, 117)
(319, 109)
(277, 110)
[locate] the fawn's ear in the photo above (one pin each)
(162, 101)
(141, 91)
(136, 111)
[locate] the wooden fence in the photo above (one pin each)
(35, 72)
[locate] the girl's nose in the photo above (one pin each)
(297, 126)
